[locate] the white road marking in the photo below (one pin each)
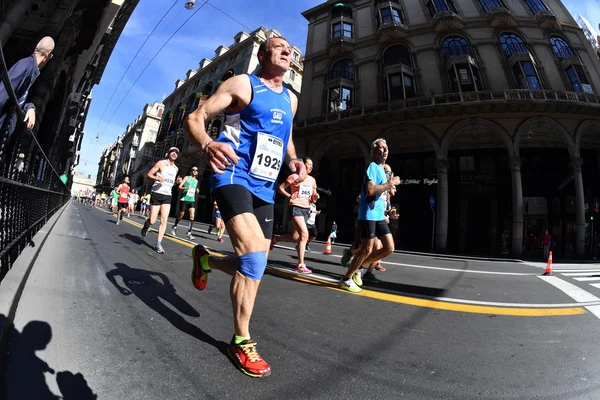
(447, 299)
(596, 285)
(594, 310)
(591, 271)
(575, 292)
(588, 278)
(579, 273)
(436, 268)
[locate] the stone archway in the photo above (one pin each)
(587, 135)
(546, 133)
(469, 134)
(339, 162)
(414, 138)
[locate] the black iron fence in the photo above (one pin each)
(31, 189)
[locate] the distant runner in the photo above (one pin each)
(123, 191)
(189, 185)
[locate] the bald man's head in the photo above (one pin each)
(44, 50)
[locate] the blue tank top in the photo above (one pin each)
(259, 135)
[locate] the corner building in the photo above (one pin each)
(491, 107)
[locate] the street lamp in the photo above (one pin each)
(190, 4)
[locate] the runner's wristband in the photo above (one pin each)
(206, 147)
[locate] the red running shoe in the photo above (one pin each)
(378, 267)
(247, 359)
(199, 275)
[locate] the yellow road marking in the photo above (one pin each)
(436, 304)
(443, 305)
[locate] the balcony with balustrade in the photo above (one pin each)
(455, 104)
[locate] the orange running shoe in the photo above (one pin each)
(199, 274)
(247, 359)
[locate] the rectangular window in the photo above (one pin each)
(390, 14)
(292, 75)
(578, 79)
(487, 5)
(409, 87)
(536, 5)
(340, 99)
(396, 87)
(467, 164)
(336, 30)
(347, 30)
(526, 76)
(435, 6)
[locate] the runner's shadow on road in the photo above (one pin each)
(144, 285)
(26, 372)
(114, 221)
(136, 240)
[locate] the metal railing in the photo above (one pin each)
(456, 98)
(30, 188)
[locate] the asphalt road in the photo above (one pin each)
(101, 303)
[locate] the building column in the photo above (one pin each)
(576, 164)
(517, 201)
(441, 235)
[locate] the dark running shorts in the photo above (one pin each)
(373, 229)
(300, 212)
(312, 231)
(235, 200)
(122, 206)
(186, 205)
(158, 199)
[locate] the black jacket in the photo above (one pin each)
(21, 75)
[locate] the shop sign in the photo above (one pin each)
(427, 182)
(478, 177)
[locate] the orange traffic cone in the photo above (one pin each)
(328, 247)
(549, 266)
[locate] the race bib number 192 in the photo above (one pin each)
(267, 158)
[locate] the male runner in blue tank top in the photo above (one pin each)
(246, 159)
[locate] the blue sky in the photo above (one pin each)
(197, 39)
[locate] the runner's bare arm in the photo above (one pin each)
(281, 189)
(182, 183)
(229, 95)
(152, 173)
(373, 189)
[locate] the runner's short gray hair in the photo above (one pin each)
(374, 144)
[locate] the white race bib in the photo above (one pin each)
(267, 158)
(305, 192)
(190, 192)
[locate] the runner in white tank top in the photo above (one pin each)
(164, 174)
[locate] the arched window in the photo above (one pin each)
(522, 65)
(560, 47)
(342, 24)
(463, 70)
(179, 144)
(536, 6)
(398, 70)
(456, 46)
(342, 69)
(574, 70)
(340, 87)
(512, 43)
(487, 5)
(208, 88)
(227, 75)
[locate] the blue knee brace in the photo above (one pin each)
(252, 265)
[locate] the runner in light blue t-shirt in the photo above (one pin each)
(371, 218)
